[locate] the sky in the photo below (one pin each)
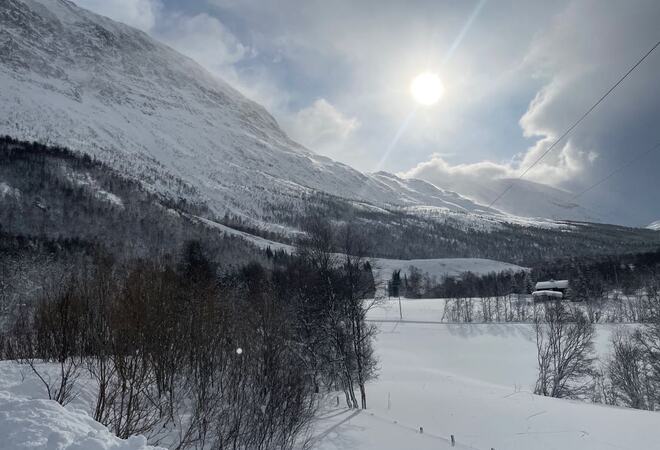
(336, 75)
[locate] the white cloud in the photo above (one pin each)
(202, 37)
(322, 128)
(205, 39)
(140, 14)
(437, 168)
(581, 52)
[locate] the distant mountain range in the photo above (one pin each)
(523, 198)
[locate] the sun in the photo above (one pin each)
(427, 88)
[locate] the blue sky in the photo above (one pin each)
(336, 76)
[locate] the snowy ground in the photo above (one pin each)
(29, 421)
(442, 267)
(473, 381)
(470, 381)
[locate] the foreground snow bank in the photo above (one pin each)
(30, 422)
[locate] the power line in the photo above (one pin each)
(577, 122)
(617, 170)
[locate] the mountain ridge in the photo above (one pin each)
(73, 78)
(654, 225)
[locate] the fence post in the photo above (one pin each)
(453, 441)
(421, 430)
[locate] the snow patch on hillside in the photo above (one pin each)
(89, 183)
(7, 191)
(654, 226)
(258, 241)
(443, 267)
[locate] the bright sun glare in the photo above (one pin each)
(426, 88)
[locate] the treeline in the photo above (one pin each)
(416, 284)
(191, 353)
(614, 288)
(626, 273)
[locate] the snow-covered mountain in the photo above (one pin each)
(654, 226)
(77, 79)
(524, 198)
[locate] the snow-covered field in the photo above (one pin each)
(473, 381)
(442, 267)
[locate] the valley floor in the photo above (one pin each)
(473, 381)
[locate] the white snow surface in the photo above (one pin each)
(258, 241)
(551, 284)
(86, 181)
(473, 381)
(29, 421)
(654, 226)
(6, 191)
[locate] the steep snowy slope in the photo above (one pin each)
(73, 78)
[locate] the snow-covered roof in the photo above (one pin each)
(555, 294)
(552, 284)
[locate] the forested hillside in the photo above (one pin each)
(395, 233)
(53, 193)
